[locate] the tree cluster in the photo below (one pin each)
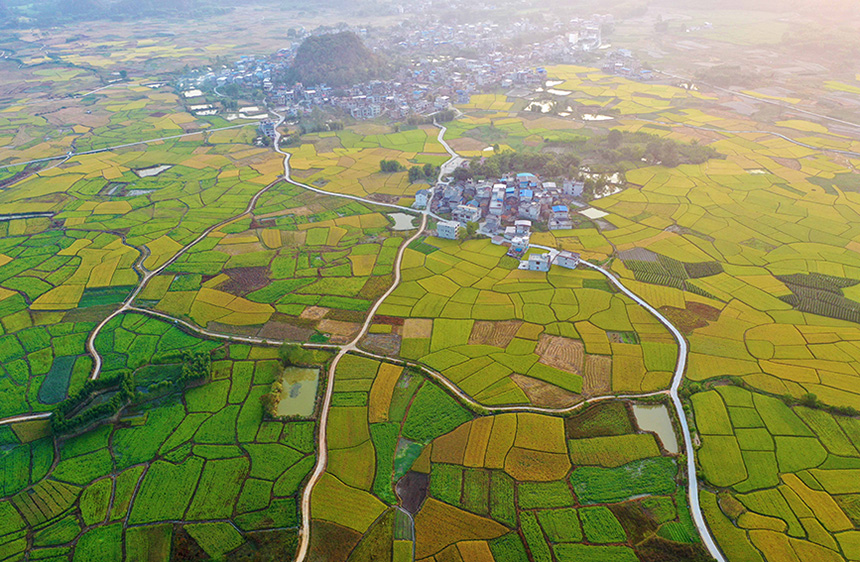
(428, 172)
(293, 354)
(390, 166)
(62, 423)
(544, 164)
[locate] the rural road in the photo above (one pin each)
(322, 457)
(677, 379)
(320, 467)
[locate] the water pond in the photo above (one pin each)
(656, 418)
(299, 392)
(402, 221)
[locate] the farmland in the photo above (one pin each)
(201, 471)
(477, 417)
(473, 484)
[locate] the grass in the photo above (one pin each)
(612, 451)
(433, 412)
(604, 485)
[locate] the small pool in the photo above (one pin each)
(299, 392)
(403, 221)
(656, 418)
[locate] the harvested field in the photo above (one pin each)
(417, 328)
(412, 490)
(466, 144)
(497, 334)
(382, 344)
(314, 313)
(282, 331)
(597, 375)
(562, 353)
(341, 332)
(544, 394)
(244, 280)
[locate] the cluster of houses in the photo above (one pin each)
(506, 211)
(513, 200)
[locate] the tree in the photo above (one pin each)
(429, 171)
(415, 174)
(123, 74)
(390, 166)
(614, 139)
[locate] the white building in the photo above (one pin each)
(523, 227)
(448, 229)
(539, 262)
(519, 246)
(465, 214)
(567, 259)
(422, 197)
(573, 188)
(497, 207)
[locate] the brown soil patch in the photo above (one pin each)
(239, 249)
(498, 334)
(382, 344)
(389, 320)
(314, 313)
(303, 174)
(417, 328)
(789, 163)
(234, 330)
(541, 393)
(327, 144)
(341, 332)
(286, 332)
(467, 144)
(412, 490)
(597, 375)
(696, 315)
(331, 542)
(562, 353)
(383, 198)
(244, 280)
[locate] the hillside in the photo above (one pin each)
(339, 59)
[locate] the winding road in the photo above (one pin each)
(322, 459)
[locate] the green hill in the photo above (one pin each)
(339, 59)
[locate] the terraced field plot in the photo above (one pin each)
(506, 336)
(303, 266)
(204, 471)
(495, 487)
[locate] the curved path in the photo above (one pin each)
(322, 456)
(677, 379)
(146, 275)
(320, 467)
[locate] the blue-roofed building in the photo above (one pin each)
(526, 194)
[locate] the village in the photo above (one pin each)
(506, 211)
(436, 78)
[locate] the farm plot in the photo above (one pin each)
(507, 336)
(208, 470)
(511, 478)
(785, 470)
(348, 161)
(303, 267)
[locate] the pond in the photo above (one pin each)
(299, 392)
(656, 418)
(402, 221)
